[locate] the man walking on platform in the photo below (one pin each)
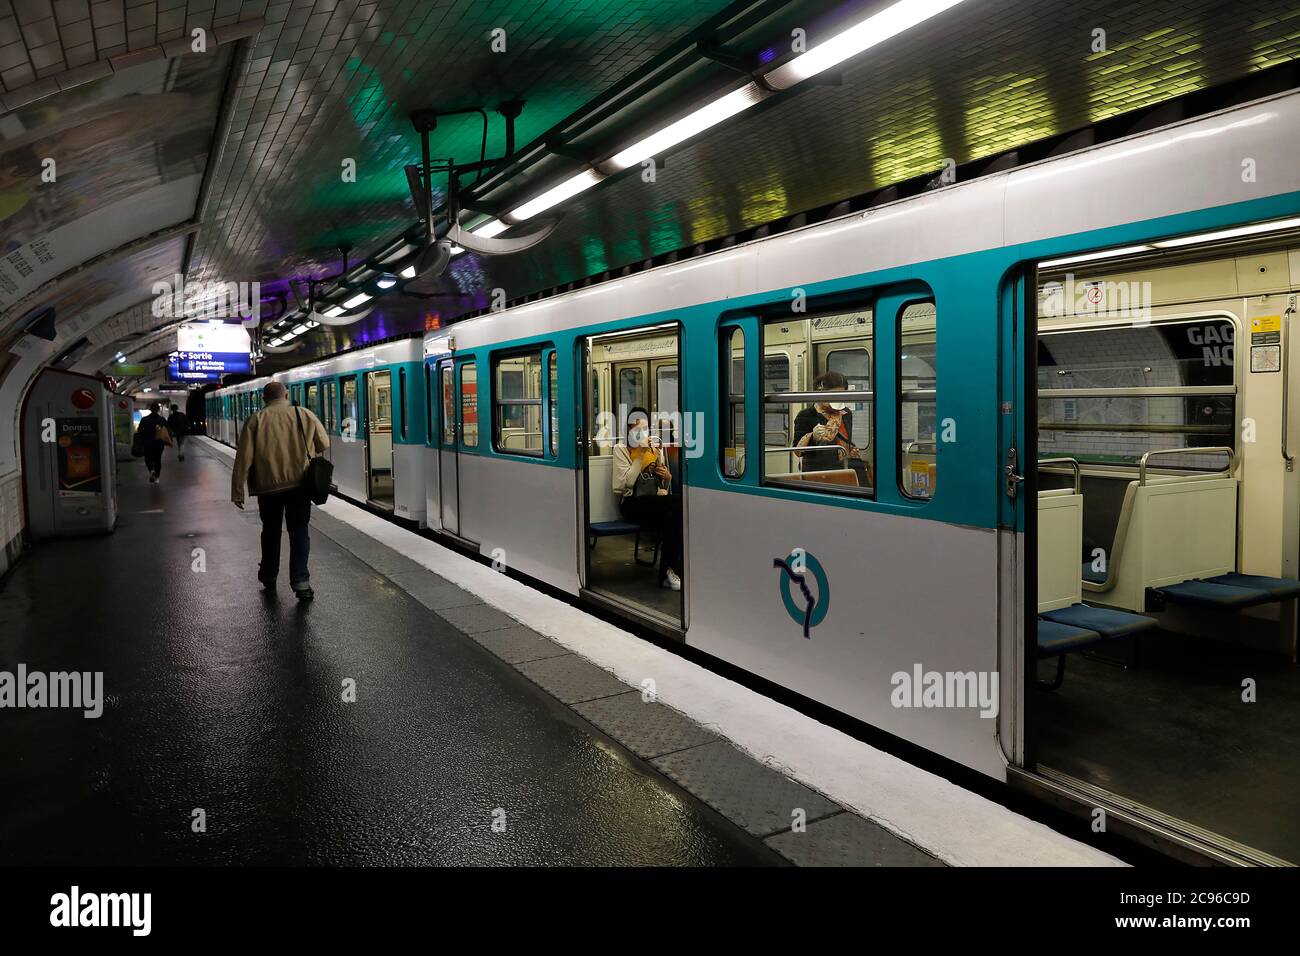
(275, 446)
(178, 423)
(153, 434)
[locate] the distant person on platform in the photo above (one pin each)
(275, 446)
(155, 436)
(178, 423)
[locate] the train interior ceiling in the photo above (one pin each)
(1167, 536)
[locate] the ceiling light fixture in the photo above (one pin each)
(1240, 231)
(724, 107)
(356, 300)
(1092, 256)
(856, 39)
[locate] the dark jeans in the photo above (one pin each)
(153, 456)
(661, 514)
(294, 508)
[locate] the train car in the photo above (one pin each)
(851, 417)
(897, 577)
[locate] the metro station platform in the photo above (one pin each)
(221, 698)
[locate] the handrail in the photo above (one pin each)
(1285, 362)
(1217, 449)
(841, 395)
(1136, 391)
(1072, 462)
(840, 448)
(907, 449)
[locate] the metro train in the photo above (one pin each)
(1126, 326)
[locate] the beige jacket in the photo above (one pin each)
(626, 470)
(274, 448)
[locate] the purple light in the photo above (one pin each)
(768, 55)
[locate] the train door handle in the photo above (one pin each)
(1013, 479)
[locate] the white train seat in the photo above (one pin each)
(1065, 623)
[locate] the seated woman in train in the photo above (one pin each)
(643, 485)
(829, 423)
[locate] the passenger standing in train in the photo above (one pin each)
(643, 484)
(275, 446)
(828, 424)
(154, 435)
(178, 423)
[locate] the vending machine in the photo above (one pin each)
(69, 458)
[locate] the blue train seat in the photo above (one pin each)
(1079, 626)
(1231, 590)
(610, 529)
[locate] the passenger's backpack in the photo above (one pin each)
(320, 470)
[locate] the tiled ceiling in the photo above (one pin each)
(326, 81)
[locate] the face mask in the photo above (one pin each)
(638, 436)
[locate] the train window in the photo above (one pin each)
(469, 405)
(1110, 395)
(917, 390)
(554, 395)
(733, 403)
(348, 406)
(517, 403)
(401, 401)
(313, 398)
(448, 410)
(818, 403)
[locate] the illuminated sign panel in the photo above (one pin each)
(205, 351)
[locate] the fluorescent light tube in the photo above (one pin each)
(1090, 256)
(1251, 230)
(334, 312)
(565, 190)
(493, 227)
(299, 329)
(356, 300)
(855, 39)
(407, 273)
(711, 114)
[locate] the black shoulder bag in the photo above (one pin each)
(320, 470)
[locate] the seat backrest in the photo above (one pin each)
(600, 479)
(1172, 530)
(1060, 539)
(837, 476)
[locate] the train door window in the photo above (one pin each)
(553, 398)
(665, 403)
(428, 404)
(379, 437)
(313, 398)
(448, 409)
(401, 401)
(469, 405)
(917, 392)
(818, 434)
(331, 407)
(733, 402)
(348, 406)
(517, 403)
(631, 387)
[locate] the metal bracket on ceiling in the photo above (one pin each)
(499, 247)
(709, 48)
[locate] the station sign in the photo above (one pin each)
(205, 351)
